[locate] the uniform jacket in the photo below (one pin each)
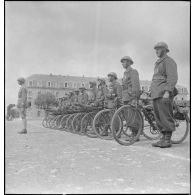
(165, 77)
(114, 90)
(130, 84)
(22, 97)
(83, 98)
(92, 93)
(101, 93)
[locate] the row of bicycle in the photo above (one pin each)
(124, 124)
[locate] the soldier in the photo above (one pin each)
(75, 96)
(130, 82)
(83, 97)
(22, 104)
(162, 92)
(101, 93)
(114, 91)
(113, 96)
(131, 86)
(92, 92)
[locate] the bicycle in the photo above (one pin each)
(137, 119)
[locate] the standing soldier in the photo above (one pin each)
(101, 93)
(83, 97)
(92, 92)
(130, 82)
(114, 94)
(75, 96)
(113, 97)
(131, 86)
(162, 92)
(22, 104)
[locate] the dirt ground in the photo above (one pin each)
(53, 161)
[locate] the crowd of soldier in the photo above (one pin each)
(162, 93)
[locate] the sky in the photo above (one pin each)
(90, 38)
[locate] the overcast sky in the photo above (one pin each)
(89, 38)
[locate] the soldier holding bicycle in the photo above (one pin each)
(162, 92)
(131, 85)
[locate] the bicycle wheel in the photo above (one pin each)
(101, 124)
(58, 124)
(76, 122)
(69, 123)
(63, 121)
(130, 127)
(87, 125)
(182, 129)
(44, 121)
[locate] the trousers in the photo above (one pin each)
(163, 113)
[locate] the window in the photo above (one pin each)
(49, 84)
(30, 83)
(65, 84)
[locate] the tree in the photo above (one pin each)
(45, 100)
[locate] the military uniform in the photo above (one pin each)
(101, 95)
(164, 79)
(131, 85)
(22, 101)
(92, 93)
(114, 91)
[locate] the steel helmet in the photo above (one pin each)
(162, 45)
(101, 80)
(127, 58)
(112, 74)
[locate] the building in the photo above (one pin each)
(60, 85)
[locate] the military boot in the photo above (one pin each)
(23, 131)
(159, 143)
(167, 141)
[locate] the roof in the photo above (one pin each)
(61, 78)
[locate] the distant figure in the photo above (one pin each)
(22, 104)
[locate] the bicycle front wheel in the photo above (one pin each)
(127, 125)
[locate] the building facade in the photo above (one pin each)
(60, 85)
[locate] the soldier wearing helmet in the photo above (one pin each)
(101, 92)
(162, 92)
(75, 96)
(83, 97)
(22, 104)
(92, 92)
(130, 84)
(130, 81)
(114, 90)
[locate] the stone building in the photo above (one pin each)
(60, 85)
